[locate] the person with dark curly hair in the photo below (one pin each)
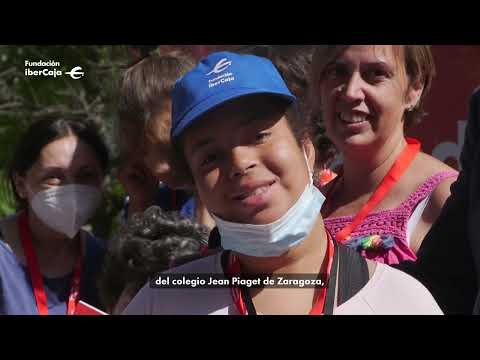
(149, 243)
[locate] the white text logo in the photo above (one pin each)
(220, 66)
(50, 68)
(75, 73)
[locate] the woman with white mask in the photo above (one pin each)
(47, 262)
(235, 122)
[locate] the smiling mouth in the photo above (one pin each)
(352, 118)
(254, 192)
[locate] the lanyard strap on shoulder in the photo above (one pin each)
(36, 276)
(391, 178)
(332, 284)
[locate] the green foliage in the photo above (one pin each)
(24, 99)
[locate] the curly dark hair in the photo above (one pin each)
(151, 242)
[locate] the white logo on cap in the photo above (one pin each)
(220, 66)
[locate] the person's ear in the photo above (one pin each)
(20, 186)
(414, 93)
(310, 152)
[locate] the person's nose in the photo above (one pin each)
(242, 160)
(353, 89)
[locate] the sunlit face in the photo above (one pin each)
(364, 93)
(247, 165)
(65, 161)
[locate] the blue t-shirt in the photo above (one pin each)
(188, 208)
(16, 292)
(176, 200)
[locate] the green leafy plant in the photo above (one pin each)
(24, 99)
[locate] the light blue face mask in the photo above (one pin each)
(274, 239)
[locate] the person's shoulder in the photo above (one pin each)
(206, 264)
(94, 243)
(6, 252)
(443, 176)
(8, 234)
(390, 292)
(430, 169)
(393, 291)
(431, 165)
(188, 300)
(10, 264)
(95, 251)
(476, 96)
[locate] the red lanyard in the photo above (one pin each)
(241, 302)
(396, 171)
(36, 277)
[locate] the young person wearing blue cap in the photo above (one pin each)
(234, 121)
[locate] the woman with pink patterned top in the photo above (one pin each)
(388, 193)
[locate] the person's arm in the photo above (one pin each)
(432, 211)
(445, 263)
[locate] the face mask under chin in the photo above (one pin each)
(274, 239)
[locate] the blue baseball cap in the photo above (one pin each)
(219, 78)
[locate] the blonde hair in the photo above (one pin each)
(146, 88)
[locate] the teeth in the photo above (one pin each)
(257, 191)
(350, 118)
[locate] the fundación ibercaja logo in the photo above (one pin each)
(51, 68)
